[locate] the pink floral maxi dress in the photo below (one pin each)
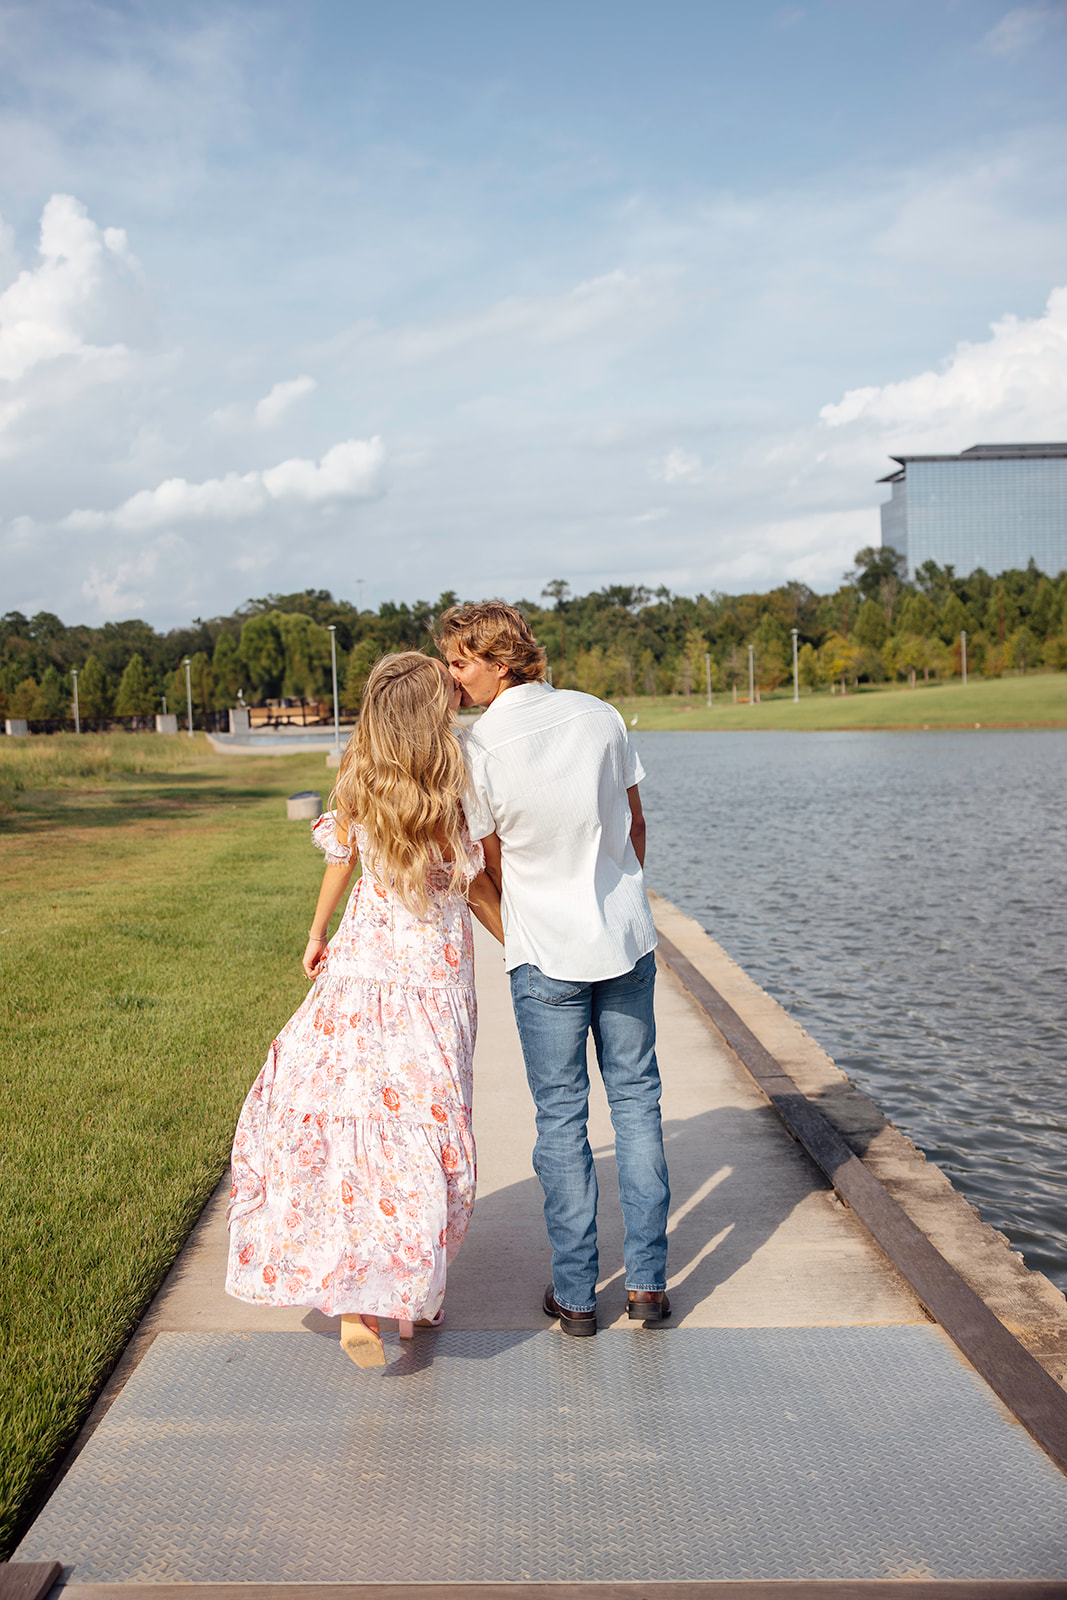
(353, 1165)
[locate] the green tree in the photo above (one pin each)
(1022, 650)
(880, 574)
(953, 619)
(307, 656)
(935, 582)
(600, 672)
(95, 693)
(176, 692)
(841, 659)
(363, 656)
(873, 565)
(906, 654)
(202, 681)
(558, 590)
(227, 671)
(137, 693)
(54, 697)
(871, 629)
(1001, 616)
(1055, 652)
(773, 651)
(23, 698)
(691, 668)
(808, 667)
(918, 616)
(263, 654)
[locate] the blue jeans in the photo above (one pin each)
(554, 1018)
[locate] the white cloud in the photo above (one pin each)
(989, 208)
(592, 307)
(124, 589)
(1016, 379)
(72, 299)
(1017, 30)
(267, 412)
(270, 410)
(351, 470)
(679, 466)
(68, 324)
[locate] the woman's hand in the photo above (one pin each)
(314, 961)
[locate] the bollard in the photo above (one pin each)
(305, 805)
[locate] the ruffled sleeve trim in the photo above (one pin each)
(324, 836)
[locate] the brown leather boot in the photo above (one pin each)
(647, 1305)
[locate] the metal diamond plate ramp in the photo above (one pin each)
(677, 1454)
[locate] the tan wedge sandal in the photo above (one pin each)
(407, 1329)
(361, 1341)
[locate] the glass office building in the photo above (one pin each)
(994, 506)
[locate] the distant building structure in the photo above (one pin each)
(994, 506)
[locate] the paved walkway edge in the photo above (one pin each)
(948, 1291)
(777, 1589)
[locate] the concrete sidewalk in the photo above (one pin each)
(798, 1418)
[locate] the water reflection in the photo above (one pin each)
(902, 895)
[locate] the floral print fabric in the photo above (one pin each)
(353, 1165)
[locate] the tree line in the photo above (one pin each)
(622, 640)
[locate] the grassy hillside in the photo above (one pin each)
(1038, 700)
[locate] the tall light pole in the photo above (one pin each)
(963, 654)
(77, 718)
(796, 669)
(189, 693)
(751, 675)
(707, 673)
(333, 662)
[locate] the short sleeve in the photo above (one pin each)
(324, 836)
(475, 857)
(632, 770)
(476, 807)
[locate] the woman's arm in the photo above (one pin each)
(335, 881)
(483, 897)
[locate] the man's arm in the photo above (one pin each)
(491, 845)
(637, 826)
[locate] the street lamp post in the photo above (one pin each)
(707, 673)
(751, 675)
(333, 664)
(963, 654)
(796, 669)
(189, 692)
(77, 718)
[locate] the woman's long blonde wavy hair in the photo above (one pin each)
(402, 776)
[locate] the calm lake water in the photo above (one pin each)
(903, 896)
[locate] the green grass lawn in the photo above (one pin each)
(153, 906)
(1038, 700)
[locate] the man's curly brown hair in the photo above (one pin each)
(495, 631)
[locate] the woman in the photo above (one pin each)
(353, 1168)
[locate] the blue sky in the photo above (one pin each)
(476, 296)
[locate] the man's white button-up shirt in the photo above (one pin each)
(549, 770)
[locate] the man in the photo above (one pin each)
(553, 796)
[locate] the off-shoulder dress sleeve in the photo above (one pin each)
(324, 835)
